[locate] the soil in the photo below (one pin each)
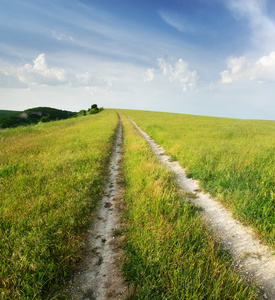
(98, 275)
(255, 260)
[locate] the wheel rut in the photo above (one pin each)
(98, 275)
(254, 259)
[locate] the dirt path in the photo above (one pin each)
(252, 257)
(98, 276)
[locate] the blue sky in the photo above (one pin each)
(202, 57)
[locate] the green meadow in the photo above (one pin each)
(233, 159)
(51, 177)
(169, 253)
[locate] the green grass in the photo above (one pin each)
(169, 252)
(51, 176)
(233, 159)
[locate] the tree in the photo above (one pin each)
(94, 106)
(45, 119)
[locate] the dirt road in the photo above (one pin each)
(98, 276)
(252, 257)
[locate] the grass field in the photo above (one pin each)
(233, 159)
(51, 177)
(169, 252)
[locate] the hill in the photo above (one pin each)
(33, 116)
(6, 113)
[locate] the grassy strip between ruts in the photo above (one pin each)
(51, 176)
(233, 159)
(169, 252)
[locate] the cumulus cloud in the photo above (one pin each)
(179, 72)
(40, 73)
(241, 69)
(148, 75)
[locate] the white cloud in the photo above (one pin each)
(237, 64)
(240, 69)
(254, 11)
(56, 36)
(86, 79)
(176, 21)
(247, 7)
(8, 77)
(148, 75)
(9, 81)
(39, 73)
(179, 72)
(93, 85)
(61, 36)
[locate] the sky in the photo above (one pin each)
(200, 57)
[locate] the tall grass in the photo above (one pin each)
(51, 177)
(169, 252)
(233, 159)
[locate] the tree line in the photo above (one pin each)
(43, 114)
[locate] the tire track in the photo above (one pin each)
(98, 276)
(252, 257)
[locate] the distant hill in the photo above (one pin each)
(6, 113)
(33, 116)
